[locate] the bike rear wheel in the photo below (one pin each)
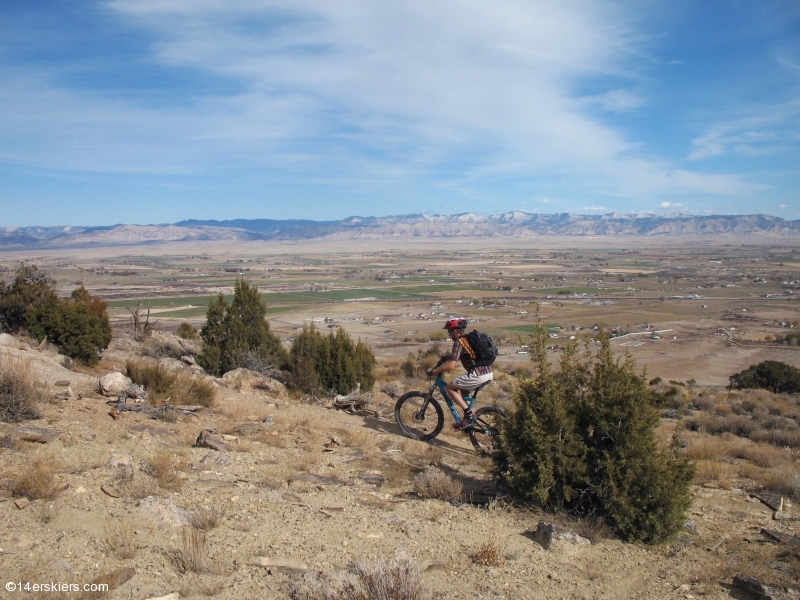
(413, 422)
(486, 428)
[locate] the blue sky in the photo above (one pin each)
(153, 111)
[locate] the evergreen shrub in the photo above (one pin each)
(769, 375)
(582, 439)
(237, 334)
(331, 362)
(78, 325)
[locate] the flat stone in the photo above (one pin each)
(784, 538)
(186, 359)
(172, 596)
(21, 503)
(281, 564)
(761, 590)
(62, 383)
(215, 459)
(290, 497)
(773, 501)
(110, 491)
(427, 567)
(322, 479)
(35, 434)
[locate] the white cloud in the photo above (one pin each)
(547, 201)
(671, 205)
(353, 91)
(766, 132)
(782, 206)
(594, 208)
(617, 100)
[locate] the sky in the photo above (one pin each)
(155, 111)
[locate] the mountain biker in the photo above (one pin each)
(472, 379)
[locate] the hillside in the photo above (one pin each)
(515, 223)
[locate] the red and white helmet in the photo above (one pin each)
(460, 324)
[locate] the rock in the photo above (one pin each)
(546, 533)
(35, 434)
(114, 384)
(784, 538)
(373, 479)
(281, 564)
(215, 459)
(205, 440)
(114, 579)
(784, 516)
(761, 590)
(773, 501)
(62, 383)
(110, 491)
(68, 363)
(171, 364)
(21, 503)
(172, 596)
(189, 360)
(322, 479)
(11, 341)
(690, 526)
(246, 381)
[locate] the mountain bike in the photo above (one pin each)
(420, 416)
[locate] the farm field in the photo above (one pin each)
(718, 302)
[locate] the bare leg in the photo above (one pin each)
(455, 394)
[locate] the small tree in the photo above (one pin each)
(238, 335)
(583, 439)
(78, 325)
(30, 285)
(331, 362)
(770, 375)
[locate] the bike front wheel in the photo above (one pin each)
(486, 428)
(419, 417)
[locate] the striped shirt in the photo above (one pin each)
(462, 352)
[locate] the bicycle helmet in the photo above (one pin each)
(460, 324)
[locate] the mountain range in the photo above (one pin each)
(515, 223)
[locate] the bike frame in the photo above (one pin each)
(442, 385)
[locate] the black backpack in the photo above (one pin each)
(483, 347)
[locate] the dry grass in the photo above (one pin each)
(489, 554)
(206, 518)
(47, 511)
(392, 579)
(718, 473)
(19, 393)
(163, 385)
(191, 556)
(783, 480)
(138, 486)
(435, 484)
(121, 540)
(36, 480)
(166, 467)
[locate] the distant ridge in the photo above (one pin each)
(517, 223)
